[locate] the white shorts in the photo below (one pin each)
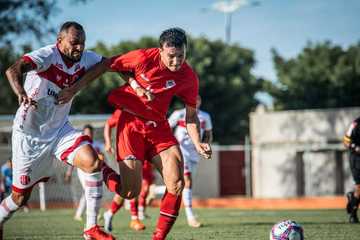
(33, 160)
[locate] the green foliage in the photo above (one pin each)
(321, 76)
(23, 17)
(8, 99)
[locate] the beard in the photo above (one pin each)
(73, 56)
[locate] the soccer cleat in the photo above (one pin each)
(96, 233)
(192, 222)
(137, 225)
(107, 221)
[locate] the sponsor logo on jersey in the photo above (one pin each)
(170, 84)
(51, 92)
(24, 179)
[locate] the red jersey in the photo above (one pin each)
(152, 74)
(114, 118)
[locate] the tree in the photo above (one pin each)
(322, 76)
(18, 17)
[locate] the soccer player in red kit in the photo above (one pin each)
(143, 132)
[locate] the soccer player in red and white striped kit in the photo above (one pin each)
(41, 129)
(159, 74)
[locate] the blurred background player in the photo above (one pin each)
(6, 179)
(88, 130)
(137, 205)
(41, 129)
(352, 142)
(190, 155)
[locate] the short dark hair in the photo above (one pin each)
(173, 37)
(66, 25)
(88, 126)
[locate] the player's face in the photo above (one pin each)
(172, 57)
(87, 131)
(72, 44)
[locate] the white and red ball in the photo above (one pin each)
(287, 230)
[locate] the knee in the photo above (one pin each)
(92, 165)
(20, 199)
(176, 187)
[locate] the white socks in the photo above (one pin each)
(7, 208)
(187, 198)
(93, 194)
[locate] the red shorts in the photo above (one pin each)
(142, 139)
(147, 172)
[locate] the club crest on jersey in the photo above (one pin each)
(170, 84)
(24, 179)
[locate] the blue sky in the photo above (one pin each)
(286, 25)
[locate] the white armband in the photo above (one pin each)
(133, 84)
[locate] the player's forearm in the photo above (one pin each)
(93, 73)
(15, 75)
(192, 126)
(107, 135)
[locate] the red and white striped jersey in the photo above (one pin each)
(43, 84)
(177, 121)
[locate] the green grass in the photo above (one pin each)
(219, 224)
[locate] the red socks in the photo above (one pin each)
(133, 208)
(115, 207)
(169, 210)
(111, 179)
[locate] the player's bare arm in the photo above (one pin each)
(107, 138)
(94, 72)
(192, 126)
(15, 75)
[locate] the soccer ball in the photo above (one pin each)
(287, 230)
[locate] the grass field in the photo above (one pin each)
(219, 224)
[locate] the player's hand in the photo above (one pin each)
(108, 148)
(141, 92)
(65, 95)
(204, 149)
(24, 99)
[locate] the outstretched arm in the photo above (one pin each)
(107, 138)
(15, 75)
(192, 126)
(94, 72)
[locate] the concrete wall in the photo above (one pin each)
(276, 137)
